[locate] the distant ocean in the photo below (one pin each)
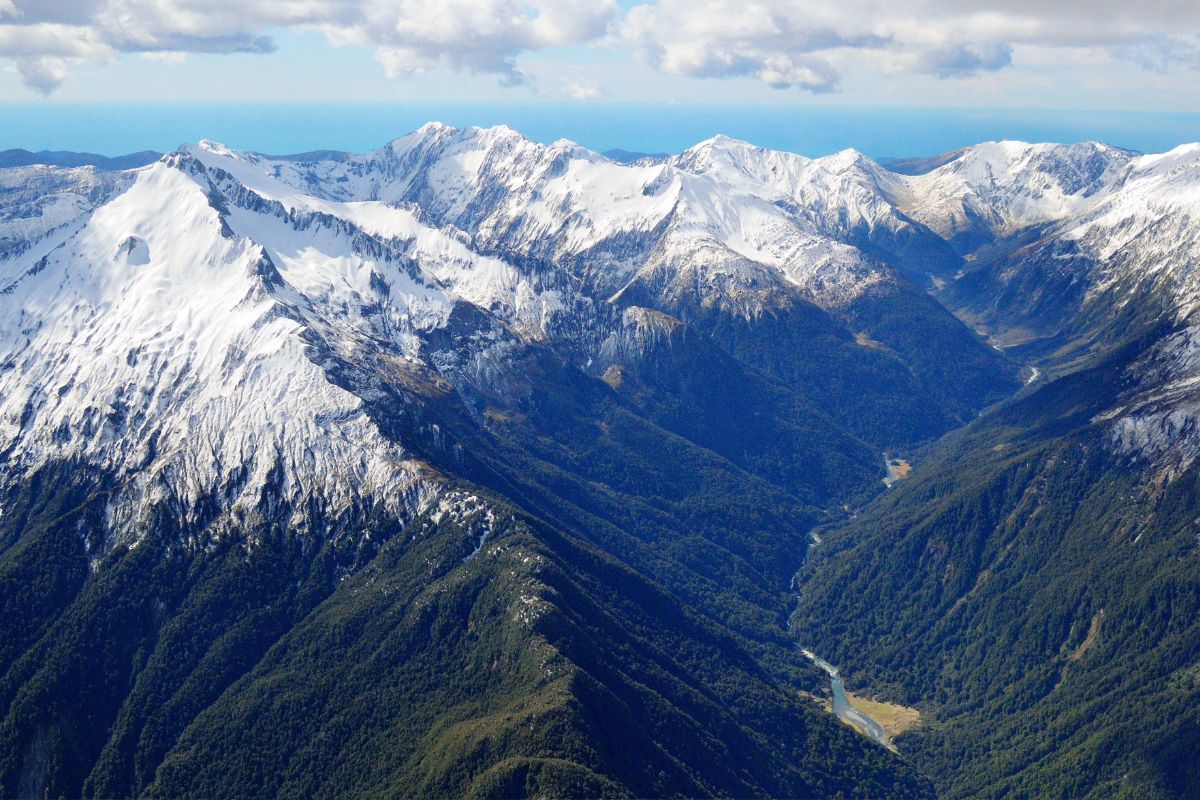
(279, 128)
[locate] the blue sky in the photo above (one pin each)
(113, 128)
(800, 56)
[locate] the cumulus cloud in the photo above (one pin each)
(799, 43)
(42, 73)
(42, 51)
(483, 36)
(778, 43)
(409, 36)
(802, 44)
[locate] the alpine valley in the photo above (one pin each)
(473, 466)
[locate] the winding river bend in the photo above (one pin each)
(841, 703)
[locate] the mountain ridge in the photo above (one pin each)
(463, 382)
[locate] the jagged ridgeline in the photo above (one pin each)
(477, 467)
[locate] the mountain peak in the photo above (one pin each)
(433, 127)
(209, 146)
(848, 159)
(721, 143)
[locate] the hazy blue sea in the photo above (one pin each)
(118, 128)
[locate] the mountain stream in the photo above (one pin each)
(841, 701)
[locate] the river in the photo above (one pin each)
(841, 702)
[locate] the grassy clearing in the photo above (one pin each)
(897, 470)
(894, 718)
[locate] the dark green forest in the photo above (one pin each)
(1034, 597)
(623, 632)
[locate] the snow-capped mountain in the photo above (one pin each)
(997, 189)
(226, 334)
(152, 340)
(276, 310)
(1112, 220)
(708, 237)
(1138, 251)
(845, 196)
(287, 433)
(610, 225)
(37, 199)
(1141, 234)
(1107, 245)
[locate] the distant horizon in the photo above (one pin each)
(116, 129)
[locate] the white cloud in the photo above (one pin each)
(581, 90)
(409, 36)
(482, 36)
(42, 73)
(42, 51)
(796, 43)
(804, 44)
(773, 42)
